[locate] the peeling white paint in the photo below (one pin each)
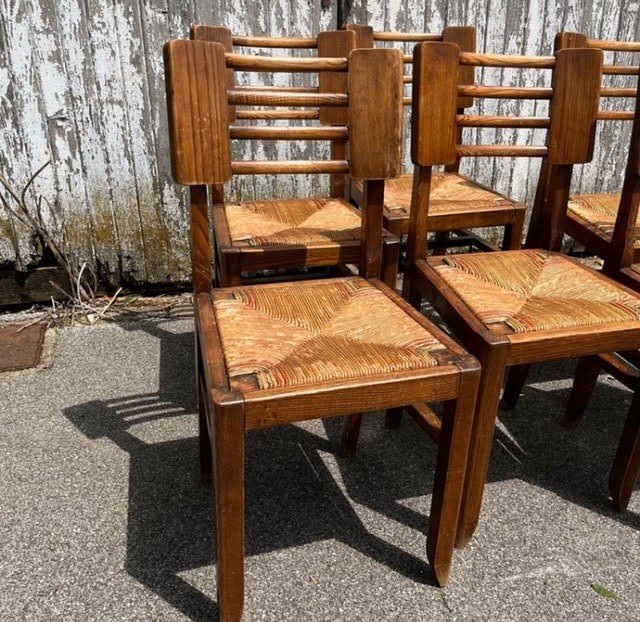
(81, 81)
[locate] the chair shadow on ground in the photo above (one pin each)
(293, 495)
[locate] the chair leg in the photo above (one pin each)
(231, 272)
(584, 382)
(493, 363)
(350, 434)
(229, 509)
(626, 464)
(390, 260)
(443, 237)
(516, 378)
(453, 449)
(393, 417)
(512, 239)
(204, 439)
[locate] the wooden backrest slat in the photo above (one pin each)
(272, 63)
(364, 35)
(195, 75)
(286, 98)
(249, 132)
(574, 108)
(275, 42)
(465, 38)
(401, 37)
(217, 34)
(375, 113)
(272, 115)
(614, 46)
(434, 107)
(505, 92)
(503, 60)
(336, 43)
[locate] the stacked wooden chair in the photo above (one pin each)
(294, 233)
(272, 354)
(459, 204)
(521, 306)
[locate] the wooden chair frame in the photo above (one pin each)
(574, 98)
(317, 104)
(624, 366)
(198, 107)
(511, 218)
(564, 221)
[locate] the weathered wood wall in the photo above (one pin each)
(81, 83)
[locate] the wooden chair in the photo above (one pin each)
(252, 236)
(273, 354)
(458, 203)
(522, 306)
(625, 367)
(590, 218)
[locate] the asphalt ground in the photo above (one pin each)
(103, 516)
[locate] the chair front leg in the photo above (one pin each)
(512, 239)
(350, 434)
(493, 363)
(228, 441)
(626, 465)
(453, 449)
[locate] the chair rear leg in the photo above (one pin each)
(350, 434)
(453, 449)
(516, 378)
(203, 428)
(584, 382)
(626, 464)
(512, 239)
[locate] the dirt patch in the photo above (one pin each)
(20, 346)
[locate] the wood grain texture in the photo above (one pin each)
(574, 109)
(337, 43)
(375, 118)
(197, 110)
(435, 85)
(465, 38)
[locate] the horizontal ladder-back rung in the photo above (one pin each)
(247, 132)
(277, 114)
(614, 46)
(271, 63)
(278, 89)
(399, 37)
(274, 42)
(615, 115)
(504, 60)
(275, 167)
(468, 120)
(617, 92)
(526, 151)
(620, 70)
(267, 98)
(506, 92)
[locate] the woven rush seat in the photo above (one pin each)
(600, 212)
(533, 290)
(450, 193)
(290, 222)
(301, 333)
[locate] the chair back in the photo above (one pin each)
(203, 124)
(570, 124)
